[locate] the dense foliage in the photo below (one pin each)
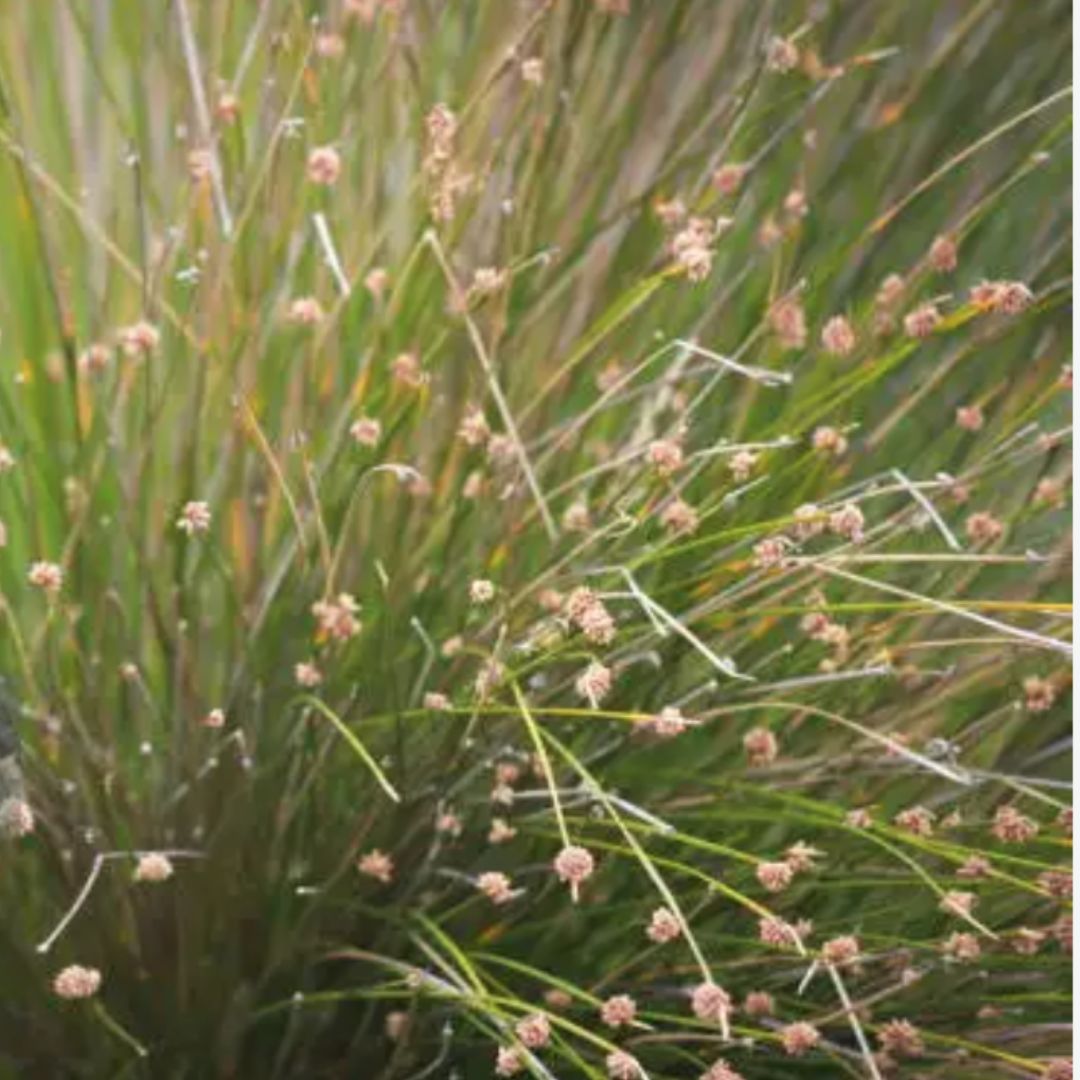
(535, 537)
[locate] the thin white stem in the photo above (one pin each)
(651, 607)
(765, 376)
(202, 113)
(326, 241)
(1041, 640)
(250, 45)
(432, 239)
(931, 512)
(856, 1027)
(818, 680)
(95, 871)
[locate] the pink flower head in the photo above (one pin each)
(139, 339)
(534, 1030)
(666, 456)
(728, 178)
(200, 163)
(671, 212)
(1049, 491)
(889, 292)
(922, 321)
(532, 71)
(330, 46)
(711, 1003)
(778, 934)
(487, 281)
(16, 818)
(597, 624)
(442, 126)
(962, 947)
(576, 518)
(324, 166)
(495, 886)
(227, 109)
(1058, 883)
(76, 982)
(585, 609)
(376, 281)
(830, 441)
(973, 868)
(153, 867)
(983, 528)
(594, 683)
(194, 518)
(760, 746)
(848, 522)
(691, 247)
(508, 1062)
(1059, 1069)
(622, 1066)
(1027, 942)
(771, 552)
(958, 903)
(679, 518)
(799, 1038)
(742, 465)
(759, 1003)
(781, 55)
(721, 1070)
(94, 359)
(810, 521)
(664, 926)
(801, 857)
(378, 865)
(474, 429)
(775, 876)
(838, 336)
(336, 616)
(214, 719)
(1039, 694)
(901, 1038)
(1013, 827)
(970, 417)
(1004, 297)
(669, 722)
(942, 254)
(305, 311)
(489, 677)
(788, 321)
(501, 831)
(578, 602)
(840, 950)
(366, 431)
(307, 674)
(917, 820)
(46, 575)
(481, 591)
(795, 203)
(574, 865)
(618, 1011)
(405, 369)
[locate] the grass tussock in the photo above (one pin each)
(535, 539)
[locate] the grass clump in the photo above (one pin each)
(535, 539)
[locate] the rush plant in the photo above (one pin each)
(535, 539)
